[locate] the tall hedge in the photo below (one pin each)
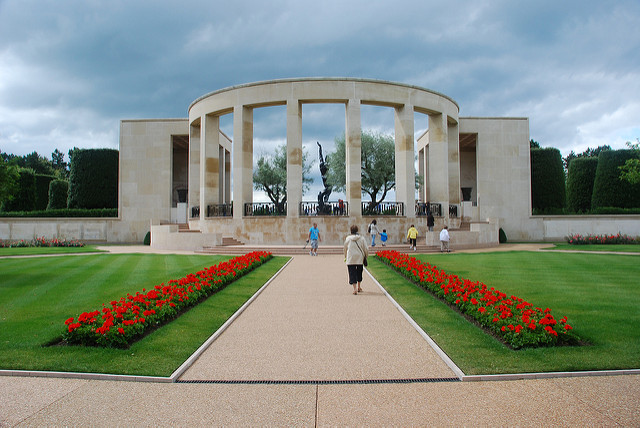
(608, 189)
(42, 190)
(58, 194)
(93, 178)
(582, 174)
(25, 197)
(547, 179)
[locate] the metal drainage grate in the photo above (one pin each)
(324, 382)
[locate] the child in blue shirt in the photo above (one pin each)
(383, 237)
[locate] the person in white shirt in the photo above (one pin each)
(444, 240)
(373, 231)
(355, 254)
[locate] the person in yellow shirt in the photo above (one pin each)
(412, 236)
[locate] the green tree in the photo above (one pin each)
(39, 164)
(9, 177)
(589, 153)
(270, 175)
(378, 165)
(25, 193)
(533, 144)
(580, 179)
(59, 165)
(630, 171)
(608, 189)
(547, 180)
(93, 178)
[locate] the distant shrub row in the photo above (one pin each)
(593, 184)
(65, 212)
(547, 179)
(93, 184)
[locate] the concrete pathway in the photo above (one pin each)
(306, 325)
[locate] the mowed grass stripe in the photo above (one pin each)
(600, 294)
(81, 284)
(74, 284)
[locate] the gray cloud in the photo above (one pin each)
(69, 71)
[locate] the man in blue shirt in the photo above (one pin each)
(314, 237)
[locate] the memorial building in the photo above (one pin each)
(186, 174)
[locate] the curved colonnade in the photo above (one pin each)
(208, 181)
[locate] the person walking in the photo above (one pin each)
(430, 221)
(355, 253)
(412, 237)
(383, 237)
(444, 240)
(314, 237)
(373, 230)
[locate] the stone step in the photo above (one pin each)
(295, 250)
(184, 228)
(228, 240)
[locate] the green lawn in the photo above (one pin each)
(38, 294)
(614, 248)
(29, 251)
(600, 294)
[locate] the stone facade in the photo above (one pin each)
(181, 171)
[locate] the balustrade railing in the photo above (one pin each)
(213, 210)
(383, 208)
(339, 208)
(424, 209)
(265, 209)
(219, 210)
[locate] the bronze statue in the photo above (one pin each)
(323, 196)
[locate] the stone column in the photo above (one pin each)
(221, 175)
(422, 171)
(194, 167)
(353, 158)
(227, 177)
(242, 159)
(454, 165)
(294, 157)
(209, 162)
(438, 174)
(404, 154)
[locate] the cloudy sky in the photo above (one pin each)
(71, 70)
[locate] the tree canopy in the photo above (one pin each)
(270, 175)
(378, 165)
(9, 177)
(586, 154)
(630, 171)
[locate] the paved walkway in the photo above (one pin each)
(306, 325)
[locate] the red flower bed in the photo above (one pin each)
(41, 242)
(123, 321)
(578, 239)
(517, 322)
